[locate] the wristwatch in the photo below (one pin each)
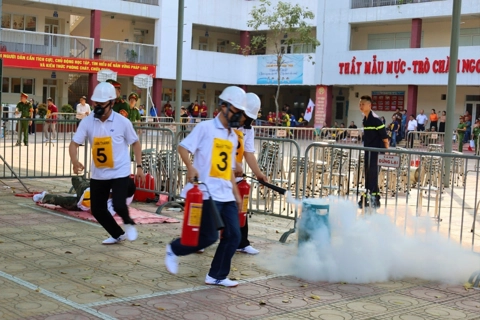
(139, 166)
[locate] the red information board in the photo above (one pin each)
(388, 100)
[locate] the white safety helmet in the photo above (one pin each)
(253, 105)
(104, 92)
(236, 96)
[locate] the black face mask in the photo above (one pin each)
(99, 111)
(234, 121)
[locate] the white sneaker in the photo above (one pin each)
(45, 140)
(201, 251)
(225, 282)
(53, 140)
(171, 260)
(113, 240)
(39, 196)
(131, 232)
(249, 250)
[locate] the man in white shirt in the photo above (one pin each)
(83, 108)
(422, 121)
(213, 144)
(411, 126)
(110, 135)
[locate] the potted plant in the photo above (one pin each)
(42, 111)
(66, 108)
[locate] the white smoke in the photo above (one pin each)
(371, 248)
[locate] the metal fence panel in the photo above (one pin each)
(416, 185)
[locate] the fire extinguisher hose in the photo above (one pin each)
(269, 185)
(217, 218)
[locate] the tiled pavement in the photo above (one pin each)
(52, 267)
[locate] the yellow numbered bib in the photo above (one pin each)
(102, 152)
(221, 159)
(240, 146)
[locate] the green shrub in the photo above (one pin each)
(42, 110)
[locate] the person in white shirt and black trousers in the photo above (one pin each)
(110, 135)
(422, 121)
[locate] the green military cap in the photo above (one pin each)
(24, 95)
(133, 95)
(114, 83)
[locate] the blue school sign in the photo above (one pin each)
(291, 71)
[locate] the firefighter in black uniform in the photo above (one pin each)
(375, 136)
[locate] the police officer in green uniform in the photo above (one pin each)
(120, 104)
(375, 136)
(25, 109)
(133, 112)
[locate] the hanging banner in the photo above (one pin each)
(320, 106)
(72, 65)
(291, 71)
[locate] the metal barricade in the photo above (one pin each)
(42, 158)
(280, 160)
(405, 185)
(158, 157)
(426, 140)
(348, 136)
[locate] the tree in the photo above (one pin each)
(285, 24)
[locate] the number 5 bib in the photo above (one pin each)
(102, 152)
(221, 159)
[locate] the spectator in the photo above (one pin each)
(443, 118)
(404, 123)
(168, 110)
(302, 120)
(422, 121)
(24, 110)
(476, 134)
(433, 119)
(467, 119)
(142, 111)
(216, 112)
(383, 119)
(461, 129)
(51, 122)
(393, 131)
(352, 125)
(31, 127)
(195, 110)
(203, 110)
(398, 115)
(412, 126)
(83, 109)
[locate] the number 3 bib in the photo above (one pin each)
(102, 152)
(221, 159)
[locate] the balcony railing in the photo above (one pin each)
(128, 52)
(46, 44)
(381, 3)
(151, 2)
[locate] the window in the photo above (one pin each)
(469, 37)
(168, 94)
(203, 43)
(17, 85)
(186, 95)
(6, 85)
(222, 45)
(296, 48)
(389, 40)
(19, 22)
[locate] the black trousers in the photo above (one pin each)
(99, 194)
(371, 172)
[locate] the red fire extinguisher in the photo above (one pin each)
(192, 217)
(244, 189)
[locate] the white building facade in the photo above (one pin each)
(395, 50)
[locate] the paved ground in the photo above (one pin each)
(53, 267)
